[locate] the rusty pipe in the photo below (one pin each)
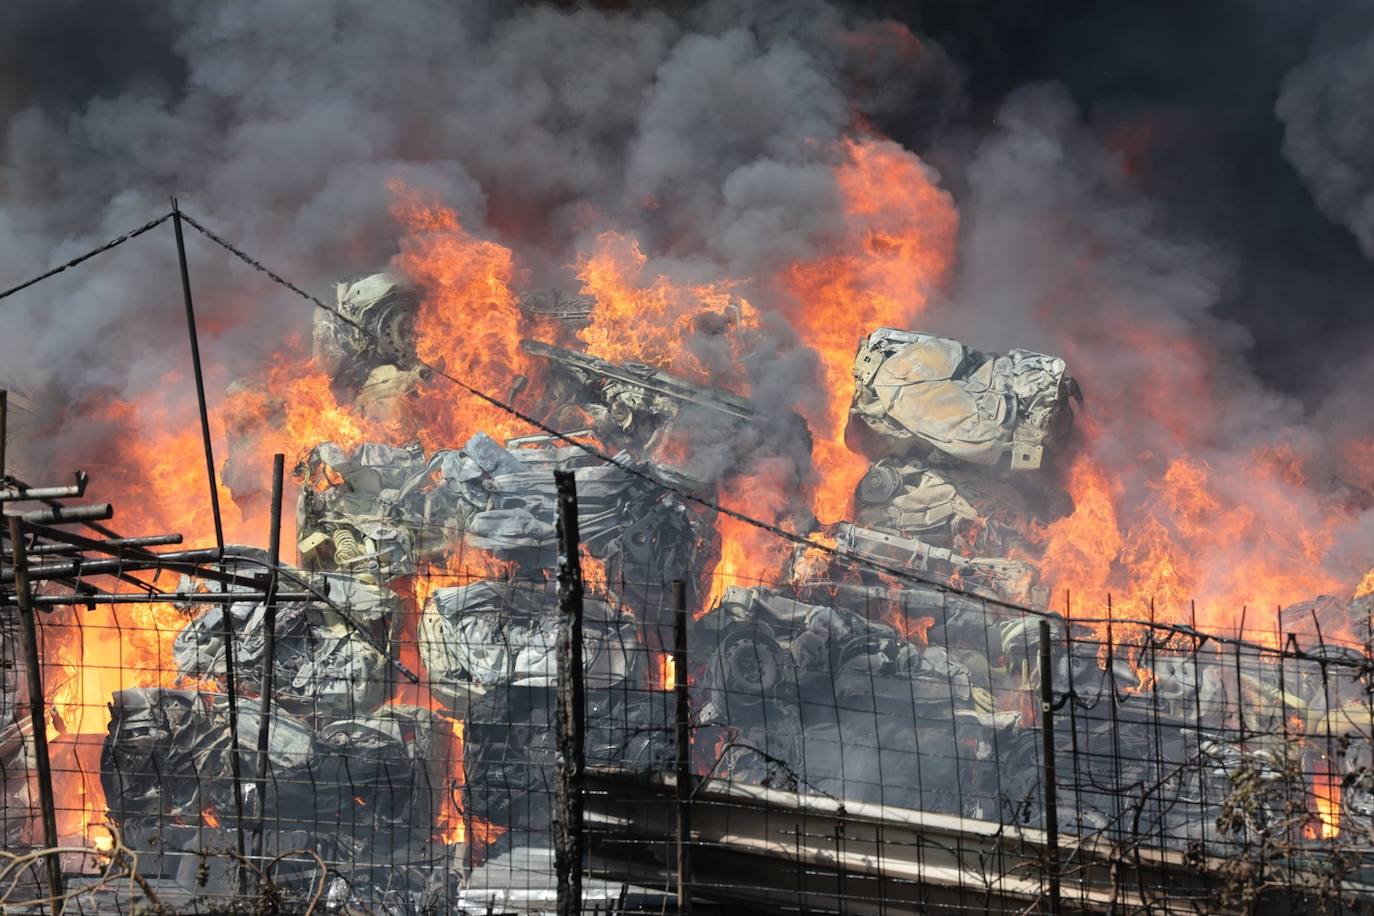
(113, 545)
(61, 515)
(17, 494)
(159, 598)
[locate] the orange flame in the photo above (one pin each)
(915, 629)
(645, 319)
(896, 249)
(1163, 527)
(1366, 586)
(484, 832)
(750, 554)
(450, 828)
(469, 323)
(665, 671)
(1247, 537)
(1326, 794)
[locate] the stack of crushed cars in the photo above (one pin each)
(834, 679)
(962, 445)
(486, 642)
(350, 775)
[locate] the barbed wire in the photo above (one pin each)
(112, 243)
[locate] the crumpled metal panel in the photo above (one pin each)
(821, 695)
(16, 807)
(377, 511)
(1013, 581)
(383, 306)
(919, 392)
(960, 508)
(487, 634)
(360, 789)
(510, 751)
(324, 666)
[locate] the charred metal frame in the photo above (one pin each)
(571, 714)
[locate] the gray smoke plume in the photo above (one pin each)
(706, 131)
(1329, 133)
(1060, 251)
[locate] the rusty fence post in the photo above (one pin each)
(570, 719)
(1049, 785)
(28, 636)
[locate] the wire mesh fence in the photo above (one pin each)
(853, 745)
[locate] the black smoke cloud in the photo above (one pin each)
(707, 130)
(1329, 130)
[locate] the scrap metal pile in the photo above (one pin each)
(838, 679)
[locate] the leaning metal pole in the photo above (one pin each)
(28, 635)
(269, 651)
(227, 619)
(682, 715)
(571, 762)
(199, 375)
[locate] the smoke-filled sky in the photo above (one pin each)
(1247, 119)
(1207, 168)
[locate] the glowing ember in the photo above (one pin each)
(593, 572)
(103, 843)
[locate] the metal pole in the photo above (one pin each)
(571, 762)
(28, 635)
(116, 546)
(1049, 790)
(4, 428)
(227, 619)
(62, 515)
(199, 376)
(684, 748)
(269, 648)
(84, 598)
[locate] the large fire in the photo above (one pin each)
(1165, 528)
